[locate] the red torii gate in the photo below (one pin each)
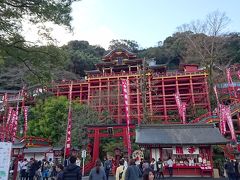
(103, 131)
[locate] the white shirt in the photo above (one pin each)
(24, 165)
(170, 163)
(19, 166)
(125, 164)
(78, 162)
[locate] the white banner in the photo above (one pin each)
(5, 157)
(185, 150)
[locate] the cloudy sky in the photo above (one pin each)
(145, 21)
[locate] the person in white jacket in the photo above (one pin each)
(120, 172)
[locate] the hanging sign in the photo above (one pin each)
(125, 94)
(84, 153)
(185, 150)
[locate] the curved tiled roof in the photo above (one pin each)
(179, 135)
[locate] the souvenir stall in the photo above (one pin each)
(189, 146)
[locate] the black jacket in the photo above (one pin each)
(72, 172)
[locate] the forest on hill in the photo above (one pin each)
(205, 43)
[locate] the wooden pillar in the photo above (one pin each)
(89, 92)
(150, 97)
(119, 105)
(96, 145)
(177, 90)
(207, 94)
(164, 102)
(15, 170)
(211, 158)
(192, 94)
(100, 97)
(138, 100)
(109, 98)
(129, 100)
(125, 141)
(57, 91)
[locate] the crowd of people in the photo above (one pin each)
(70, 170)
(130, 170)
(232, 168)
(48, 170)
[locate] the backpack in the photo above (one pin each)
(108, 165)
(121, 173)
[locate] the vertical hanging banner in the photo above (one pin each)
(25, 111)
(14, 124)
(15, 117)
(230, 82)
(69, 124)
(230, 122)
(181, 107)
(125, 94)
(184, 112)
(216, 94)
(238, 74)
(4, 106)
(220, 119)
(10, 126)
(10, 109)
(222, 116)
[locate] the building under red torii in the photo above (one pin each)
(102, 89)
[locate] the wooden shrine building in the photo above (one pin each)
(189, 146)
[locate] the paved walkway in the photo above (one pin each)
(174, 178)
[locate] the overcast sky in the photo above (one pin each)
(145, 21)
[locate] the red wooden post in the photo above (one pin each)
(96, 145)
(15, 173)
(125, 141)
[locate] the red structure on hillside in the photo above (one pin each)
(102, 89)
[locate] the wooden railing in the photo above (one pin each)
(201, 117)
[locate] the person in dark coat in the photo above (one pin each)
(107, 167)
(33, 168)
(229, 166)
(236, 166)
(72, 171)
(133, 172)
(59, 169)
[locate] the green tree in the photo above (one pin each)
(82, 57)
(48, 119)
(13, 45)
(130, 45)
(171, 52)
(30, 65)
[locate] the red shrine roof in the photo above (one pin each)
(119, 52)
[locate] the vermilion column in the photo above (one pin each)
(96, 145)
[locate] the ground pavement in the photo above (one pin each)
(173, 178)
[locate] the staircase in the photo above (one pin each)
(210, 118)
(206, 118)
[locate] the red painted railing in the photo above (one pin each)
(201, 117)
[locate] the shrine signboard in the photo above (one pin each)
(185, 150)
(5, 157)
